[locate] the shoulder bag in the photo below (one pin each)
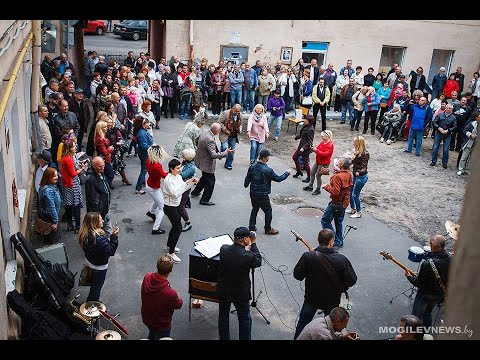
(86, 276)
(42, 227)
(324, 170)
(307, 100)
(439, 279)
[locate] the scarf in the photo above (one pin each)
(257, 117)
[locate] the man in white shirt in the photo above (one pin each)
(44, 129)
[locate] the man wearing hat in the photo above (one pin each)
(44, 160)
(78, 105)
(259, 177)
(234, 282)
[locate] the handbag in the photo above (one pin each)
(86, 276)
(167, 91)
(383, 105)
(324, 170)
(307, 100)
(42, 227)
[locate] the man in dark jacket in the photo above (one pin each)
(97, 192)
(79, 106)
(234, 282)
(321, 290)
(431, 290)
(159, 300)
(259, 177)
(444, 125)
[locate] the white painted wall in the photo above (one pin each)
(360, 41)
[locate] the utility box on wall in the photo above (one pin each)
(234, 53)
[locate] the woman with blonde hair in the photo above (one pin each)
(72, 192)
(257, 131)
(324, 153)
(97, 248)
(360, 159)
(101, 116)
(104, 149)
(156, 155)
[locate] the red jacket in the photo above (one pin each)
(102, 145)
(450, 85)
(324, 153)
(159, 301)
(155, 174)
(67, 170)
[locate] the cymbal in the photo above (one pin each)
(108, 335)
(90, 308)
(452, 229)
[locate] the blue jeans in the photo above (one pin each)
(244, 319)
(235, 96)
(143, 170)
(349, 107)
(358, 183)
(229, 143)
(418, 134)
(248, 99)
(255, 148)
(97, 284)
(334, 212)
(436, 145)
(158, 334)
(306, 315)
(278, 125)
(185, 105)
(423, 306)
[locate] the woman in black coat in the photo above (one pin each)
(304, 147)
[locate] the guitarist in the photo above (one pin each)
(327, 275)
(431, 288)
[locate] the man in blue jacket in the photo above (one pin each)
(259, 177)
(421, 115)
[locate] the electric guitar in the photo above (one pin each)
(298, 237)
(387, 256)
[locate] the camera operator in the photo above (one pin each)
(234, 282)
(119, 148)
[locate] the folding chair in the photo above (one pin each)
(203, 290)
(295, 120)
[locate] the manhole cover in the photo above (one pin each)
(309, 212)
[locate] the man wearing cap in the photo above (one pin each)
(78, 105)
(438, 83)
(234, 282)
(259, 177)
(44, 160)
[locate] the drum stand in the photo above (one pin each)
(411, 289)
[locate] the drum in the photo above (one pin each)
(427, 252)
(415, 254)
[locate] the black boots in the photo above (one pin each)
(299, 173)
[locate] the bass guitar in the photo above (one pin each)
(298, 237)
(387, 256)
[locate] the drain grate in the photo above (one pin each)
(308, 211)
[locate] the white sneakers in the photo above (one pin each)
(175, 258)
(356, 215)
(382, 139)
(177, 250)
(389, 142)
(352, 211)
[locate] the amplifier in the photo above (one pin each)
(56, 253)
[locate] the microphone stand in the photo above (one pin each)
(255, 299)
(346, 230)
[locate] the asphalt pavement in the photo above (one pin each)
(280, 296)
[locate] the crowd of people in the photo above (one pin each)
(124, 106)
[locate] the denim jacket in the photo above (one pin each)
(260, 176)
(49, 204)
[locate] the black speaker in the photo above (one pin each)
(203, 268)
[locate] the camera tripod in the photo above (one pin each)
(255, 299)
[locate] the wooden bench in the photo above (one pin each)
(295, 121)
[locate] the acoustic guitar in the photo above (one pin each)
(387, 256)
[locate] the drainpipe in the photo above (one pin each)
(35, 83)
(191, 44)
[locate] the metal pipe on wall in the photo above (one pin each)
(35, 83)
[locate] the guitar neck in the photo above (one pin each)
(310, 248)
(402, 266)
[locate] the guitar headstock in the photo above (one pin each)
(386, 255)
